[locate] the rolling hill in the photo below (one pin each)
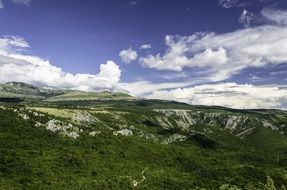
(62, 139)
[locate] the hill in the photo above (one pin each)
(77, 140)
(27, 92)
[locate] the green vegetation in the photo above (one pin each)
(75, 95)
(108, 143)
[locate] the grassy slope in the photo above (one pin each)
(78, 95)
(34, 158)
(26, 91)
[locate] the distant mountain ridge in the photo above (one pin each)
(26, 91)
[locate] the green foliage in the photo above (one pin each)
(36, 158)
(269, 184)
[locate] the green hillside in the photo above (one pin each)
(27, 92)
(77, 140)
(78, 95)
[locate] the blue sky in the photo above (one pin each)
(171, 49)
(80, 35)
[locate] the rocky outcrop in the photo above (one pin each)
(148, 136)
(83, 118)
(66, 130)
(24, 116)
(174, 138)
(94, 133)
(185, 119)
(124, 132)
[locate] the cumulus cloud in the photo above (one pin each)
(15, 66)
(277, 16)
(146, 46)
(222, 55)
(128, 55)
(246, 18)
(177, 55)
(228, 95)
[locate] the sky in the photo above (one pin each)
(230, 53)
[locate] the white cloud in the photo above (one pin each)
(253, 77)
(15, 66)
(22, 2)
(227, 3)
(19, 2)
(246, 18)
(16, 41)
(110, 71)
(243, 3)
(281, 72)
(228, 95)
(146, 46)
(143, 88)
(128, 55)
(222, 55)
(277, 16)
(177, 55)
(12, 44)
(173, 76)
(1, 4)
